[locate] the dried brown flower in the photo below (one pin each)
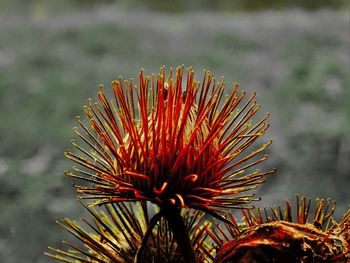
(275, 237)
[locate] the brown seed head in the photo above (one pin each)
(275, 236)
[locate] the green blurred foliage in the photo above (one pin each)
(169, 6)
(238, 5)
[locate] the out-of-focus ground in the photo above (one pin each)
(51, 62)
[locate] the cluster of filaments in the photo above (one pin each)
(170, 141)
(115, 234)
(181, 143)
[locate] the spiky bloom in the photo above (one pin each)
(115, 236)
(275, 237)
(172, 141)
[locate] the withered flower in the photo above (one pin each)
(170, 141)
(116, 234)
(273, 236)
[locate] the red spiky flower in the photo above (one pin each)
(172, 141)
(167, 142)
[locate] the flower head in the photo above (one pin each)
(274, 236)
(170, 140)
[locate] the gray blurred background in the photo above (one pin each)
(54, 54)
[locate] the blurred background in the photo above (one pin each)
(54, 54)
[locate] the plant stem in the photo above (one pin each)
(145, 237)
(174, 218)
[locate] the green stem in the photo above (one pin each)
(174, 218)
